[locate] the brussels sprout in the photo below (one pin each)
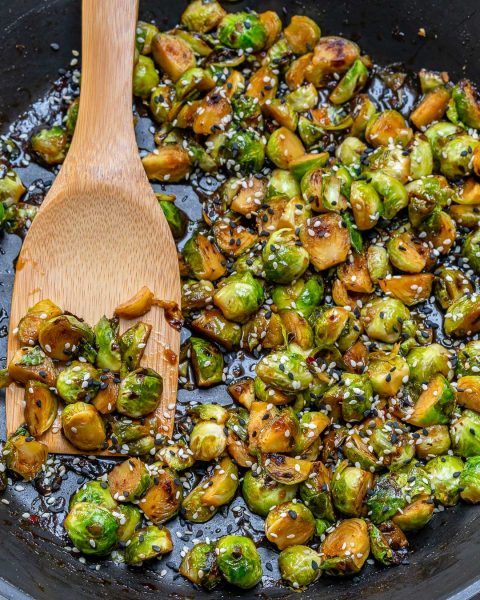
(309, 132)
(281, 112)
(456, 156)
(129, 518)
(32, 364)
(465, 434)
(92, 528)
(315, 492)
(24, 455)
(145, 77)
(407, 254)
(346, 548)
(286, 370)
(245, 149)
(173, 55)
(168, 163)
(427, 361)
(377, 263)
(350, 152)
(161, 103)
(50, 145)
(213, 325)
(331, 55)
(78, 381)
(144, 34)
(163, 499)
(208, 412)
(176, 218)
(132, 346)
(382, 319)
(355, 395)
(432, 107)
(207, 440)
(285, 469)
(177, 457)
(201, 16)
(239, 297)
(326, 239)
(392, 444)
(11, 186)
(128, 481)
(364, 109)
(61, 337)
(350, 84)
(434, 405)
(432, 441)
(264, 330)
(302, 296)
(409, 289)
(462, 317)
(303, 98)
(471, 250)
(284, 147)
(366, 205)
(468, 362)
(289, 524)
(196, 294)
(29, 326)
(421, 158)
(207, 362)
(393, 193)
(135, 438)
(386, 128)
(282, 183)
(469, 480)
(297, 329)
(262, 493)
(336, 326)
(107, 343)
(139, 393)
(199, 565)
(242, 30)
(387, 373)
(467, 103)
(232, 237)
(95, 492)
(278, 433)
(299, 566)
(388, 543)
(40, 407)
(444, 473)
(468, 392)
(83, 426)
(284, 260)
(239, 561)
(350, 486)
(450, 284)
(148, 543)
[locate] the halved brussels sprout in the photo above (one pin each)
(387, 373)
(289, 524)
(471, 250)
(407, 254)
(331, 55)
(388, 127)
(350, 486)
(377, 262)
(350, 152)
(444, 473)
(239, 561)
(32, 364)
(286, 370)
(432, 441)
(434, 405)
(97, 492)
(132, 346)
(242, 30)
(366, 205)
(467, 103)
(207, 362)
(468, 392)
(264, 330)
(285, 469)
(309, 132)
(29, 326)
(168, 163)
(201, 16)
(383, 318)
(457, 156)
(148, 543)
(469, 480)
(463, 316)
(196, 294)
(302, 296)
(393, 193)
(24, 455)
(92, 528)
(139, 393)
(199, 565)
(51, 145)
(432, 107)
(129, 518)
(409, 289)
(105, 400)
(465, 434)
(278, 432)
(177, 220)
(299, 566)
(315, 492)
(354, 394)
(282, 183)
(283, 258)
(107, 343)
(135, 438)
(421, 158)
(297, 329)
(239, 296)
(163, 499)
(269, 394)
(450, 284)
(281, 112)
(83, 426)
(326, 239)
(350, 84)
(213, 325)
(468, 359)
(145, 77)
(207, 440)
(262, 493)
(78, 381)
(346, 548)
(363, 111)
(284, 147)
(177, 457)
(392, 444)
(40, 407)
(144, 34)
(172, 54)
(427, 361)
(61, 337)
(388, 543)
(128, 481)
(336, 326)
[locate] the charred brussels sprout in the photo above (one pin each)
(24, 455)
(199, 565)
(242, 30)
(32, 364)
(336, 326)
(315, 492)
(129, 480)
(468, 359)
(62, 337)
(283, 258)
(132, 346)
(289, 524)
(148, 543)
(207, 362)
(434, 405)
(244, 148)
(51, 145)
(470, 480)
(139, 393)
(107, 343)
(79, 381)
(239, 297)
(450, 284)
(346, 548)
(40, 407)
(465, 434)
(239, 561)
(463, 316)
(83, 426)
(202, 15)
(299, 566)
(303, 295)
(350, 486)
(467, 102)
(444, 473)
(163, 499)
(392, 444)
(331, 55)
(284, 147)
(172, 54)
(196, 294)
(387, 373)
(388, 543)
(286, 370)
(432, 441)
(95, 492)
(145, 77)
(30, 325)
(326, 239)
(262, 493)
(92, 528)
(387, 127)
(383, 319)
(351, 83)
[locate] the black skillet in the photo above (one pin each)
(36, 39)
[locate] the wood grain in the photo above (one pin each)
(100, 234)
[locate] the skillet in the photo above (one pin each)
(33, 561)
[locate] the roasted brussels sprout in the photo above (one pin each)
(32, 364)
(388, 127)
(170, 163)
(199, 565)
(299, 566)
(129, 518)
(350, 486)
(383, 318)
(107, 344)
(262, 493)
(463, 315)
(351, 83)
(139, 393)
(148, 543)
(202, 15)
(207, 440)
(78, 381)
(50, 145)
(207, 362)
(432, 441)
(286, 370)
(40, 407)
(284, 260)
(83, 426)
(435, 404)
(239, 561)
(444, 473)
(468, 359)
(469, 480)
(289, 524)
(96, 492)
(163, 499)
(284, 147)
(331, 55)
(467, 103)
(387, 373)
(336, 326)
(326, 240)
(128, 481)
(29, 326)
(144, 35)
(471, 250)
(213, 325)
(242, 30)
(346, 548)
(145, 77)
(24, 455)
(239, 297)
(388, 543)
(302, 296)
(62, 337)
(172, 54)
(92, 528)
(465, 434)
(315, 492)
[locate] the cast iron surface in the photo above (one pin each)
(33, 560)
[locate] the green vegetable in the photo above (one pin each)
(92, 528)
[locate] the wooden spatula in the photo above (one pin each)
(100, 234)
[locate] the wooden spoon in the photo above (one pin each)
(100, 234)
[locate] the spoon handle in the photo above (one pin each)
(104, 142)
